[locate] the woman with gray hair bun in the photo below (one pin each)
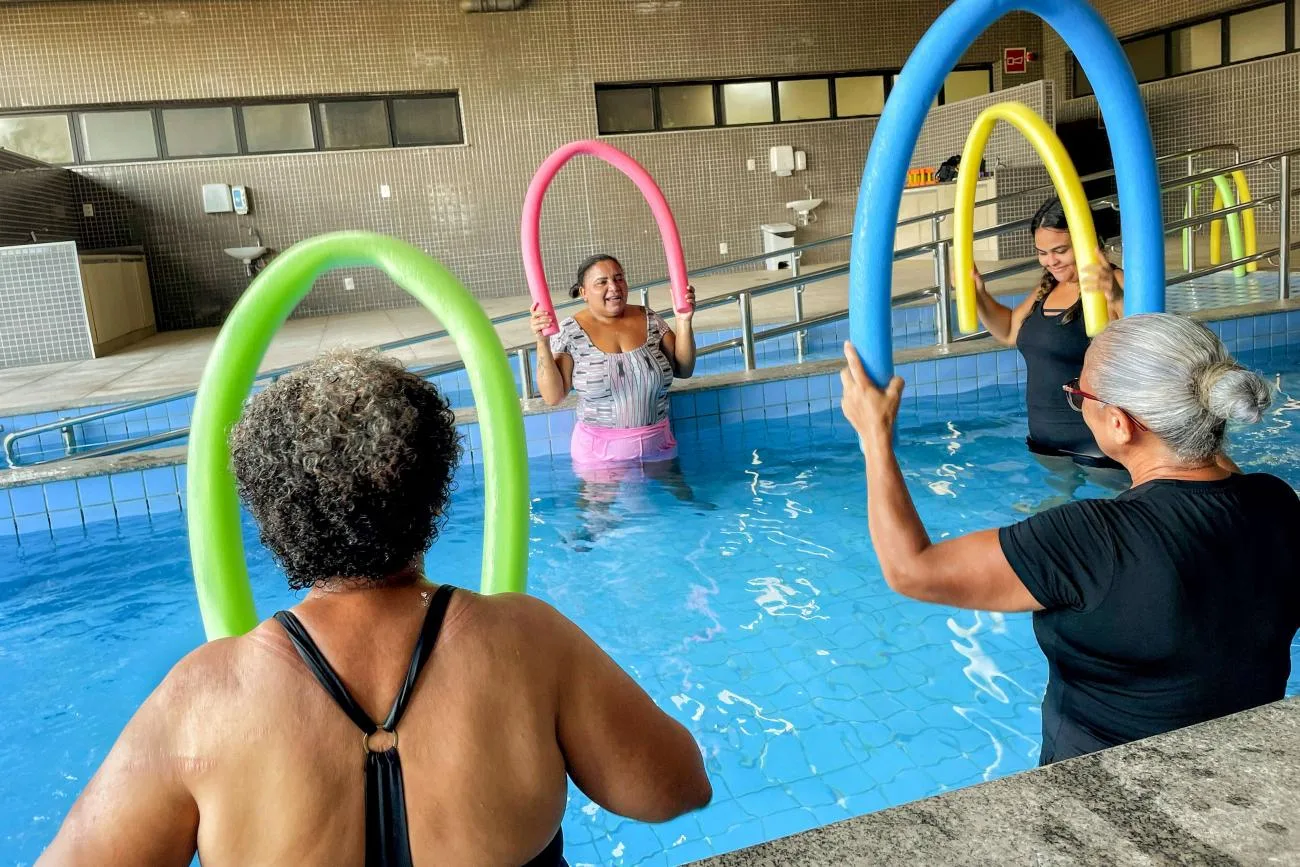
(1175, 602)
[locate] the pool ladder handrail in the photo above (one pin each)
(742, 297)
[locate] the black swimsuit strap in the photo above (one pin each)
(388, 842)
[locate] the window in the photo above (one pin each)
(1082, 86)
(967, 84)
(178, 131)
(625, 109)
(859, 95)
(1257, 33)
(1197, 47)
(1147, 57)
(893, 80)
(686, 106)
(354, 124)
(427, 120)
(1230, 37)
(282, 127)
(673, 105)
(118, 135)
(747, 102)
(804, 99)
(200, 132)
(44, 137)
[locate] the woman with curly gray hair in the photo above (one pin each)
(1173, 603)
(247, 751)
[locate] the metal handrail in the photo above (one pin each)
(743, 296)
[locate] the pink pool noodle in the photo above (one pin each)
(530, 226)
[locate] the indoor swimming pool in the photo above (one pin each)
(742, 594)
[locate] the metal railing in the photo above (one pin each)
(940, 293)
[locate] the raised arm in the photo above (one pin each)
(1002, 322)
(969, 571)
(554, 369)
(680, 347)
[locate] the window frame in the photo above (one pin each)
(313, 102)
(1291, 42)
(719, 119)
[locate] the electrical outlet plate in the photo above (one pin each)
(349, 284)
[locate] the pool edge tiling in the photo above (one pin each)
(73, 493)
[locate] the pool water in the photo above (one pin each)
(743, 595)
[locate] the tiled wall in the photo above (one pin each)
(37, 199)
(1251, 105)
(42, 309)
(526, 84)
(1127, 18)
(933, 388)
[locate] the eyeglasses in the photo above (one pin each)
(1075, 397)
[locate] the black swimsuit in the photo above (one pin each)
(388, 841)
(1053, 350)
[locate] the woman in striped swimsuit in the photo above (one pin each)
(621, 360)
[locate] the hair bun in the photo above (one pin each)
(1232, 393)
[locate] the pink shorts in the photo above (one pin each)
(598, 447)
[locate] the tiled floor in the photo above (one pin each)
(173, 361)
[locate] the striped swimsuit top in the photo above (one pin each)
(618, 389)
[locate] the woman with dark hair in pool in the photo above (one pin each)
(1175, 602)
(1048, 329)
(248, 752)
(621, 359)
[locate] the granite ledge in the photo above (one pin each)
(1225, 792)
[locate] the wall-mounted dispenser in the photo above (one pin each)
(239, 198)
(800, 161)
(781, 160)
(216, 199)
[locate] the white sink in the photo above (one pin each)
(245, 254)
(804, 206)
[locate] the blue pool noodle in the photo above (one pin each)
(871, 261)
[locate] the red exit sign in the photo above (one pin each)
(1015, 61)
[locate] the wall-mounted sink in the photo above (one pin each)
(804, 206)
(245, 254)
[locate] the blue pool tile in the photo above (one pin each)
(987, 366)
(561, 424)
(731, 418)
(967, 367)
(8, 529)
(32, 525)
(683, 406)
(729, 400)
(1277, 323)
(62, 519)
(535, 427)
(751, 396)
(131, 508)
(159, 481)
(796, 390)
(182, 478)
(94, 514)
(539, 447)
(706, 403)
(164, 504)
(61, 495)
(127, 486)
(925, 371)
(6, 510)
(1006, 360)
(819, 386)
(774, 393)
(1293, 322)
(27, 500)
(473, 436)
